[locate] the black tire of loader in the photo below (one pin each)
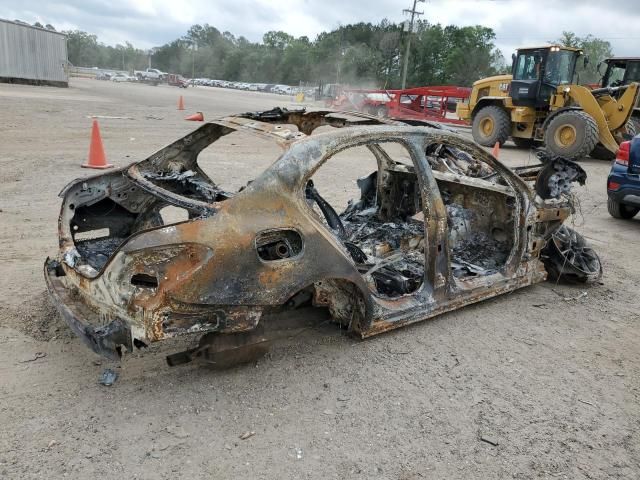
(586, 130)
(501, 126)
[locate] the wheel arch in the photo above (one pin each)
(555, 113)
(349, 303)
(488, 101)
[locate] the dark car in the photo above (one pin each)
(623, 183)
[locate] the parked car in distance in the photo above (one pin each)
(122, 77)
(177, 80)
(150, 74)
(623, 183)
(104, 75)
(282, 89)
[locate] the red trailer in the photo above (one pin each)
(422, 103)
(428, 103)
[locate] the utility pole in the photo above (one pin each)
(405, 65)
(194, 47)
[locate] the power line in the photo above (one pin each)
(413, 13)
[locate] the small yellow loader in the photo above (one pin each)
(540, 102)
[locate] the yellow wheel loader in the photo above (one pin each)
(620, 71)
(540, 103)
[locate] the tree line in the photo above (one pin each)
(362, 54)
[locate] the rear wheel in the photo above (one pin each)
(619, 210)
(572, 134)
(490, 125)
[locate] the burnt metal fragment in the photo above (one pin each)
(557, 175)
(108, 377)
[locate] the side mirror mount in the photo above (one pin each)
(586, 61)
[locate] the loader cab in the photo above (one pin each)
(620, 71)
(537, 73)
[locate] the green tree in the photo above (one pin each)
(83, 48)
(594, 48)
(361, 54)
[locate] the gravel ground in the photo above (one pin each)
(535, 384)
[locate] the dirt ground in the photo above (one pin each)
(552, 380)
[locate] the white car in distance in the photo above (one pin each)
(122, 77)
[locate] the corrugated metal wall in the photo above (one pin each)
(32, 53)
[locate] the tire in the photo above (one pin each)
(619, 210)
(635, 121)
(381, 111)
(632, 127)
(490, 125)
(523, 142)
(572, 134)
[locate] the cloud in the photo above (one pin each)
(147, 23)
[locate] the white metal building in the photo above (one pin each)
(32, 55)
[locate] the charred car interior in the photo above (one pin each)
(157, 249)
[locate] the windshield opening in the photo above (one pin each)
(559, 70)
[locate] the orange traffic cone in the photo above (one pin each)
(180, 103)
(196, 117)
(97, 158)
(496, 150)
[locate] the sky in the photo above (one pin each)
(517, 23)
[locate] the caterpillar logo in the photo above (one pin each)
(504, 86)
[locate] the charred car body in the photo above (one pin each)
(448, 227)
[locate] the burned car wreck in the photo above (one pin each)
(442, 227)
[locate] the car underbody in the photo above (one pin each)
(448, 227)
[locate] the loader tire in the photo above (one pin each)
(572, 134)
(490, 125)
(635, 121)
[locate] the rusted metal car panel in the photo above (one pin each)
(448, 228)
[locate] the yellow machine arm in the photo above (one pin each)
(610, 114)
